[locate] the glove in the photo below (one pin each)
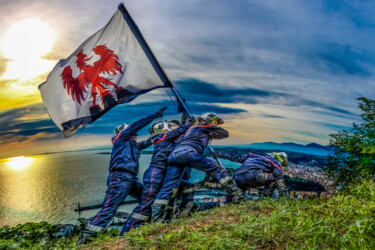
(184, 118)
(161, 111)
(192, 120)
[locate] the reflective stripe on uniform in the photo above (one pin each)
(139, 216)
(174, 193)
(152, 176)
(110, 197)
(114, 139)
(225, 180)
(94, 228)
(161, 202)
(269, 161)
(188, 190)
(165, 135)
(204, 126)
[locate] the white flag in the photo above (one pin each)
(113, 66)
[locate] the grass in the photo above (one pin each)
(345, 220)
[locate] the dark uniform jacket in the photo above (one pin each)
(198, 136)
(255, 163)
(164, 144)
(126, 151)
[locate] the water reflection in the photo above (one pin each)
(19, 163)
(48, 187)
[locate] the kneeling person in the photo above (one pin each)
(260, 170)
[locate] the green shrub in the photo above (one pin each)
(352, 158)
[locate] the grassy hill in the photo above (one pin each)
(345, 220)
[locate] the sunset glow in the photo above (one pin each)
(19, 163)
(24, 44)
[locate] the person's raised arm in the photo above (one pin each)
(138, 125)
(146, 143)
(174, 134)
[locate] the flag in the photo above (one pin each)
(113, 66)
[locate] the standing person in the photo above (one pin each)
(123, 170)
(260, 170)
(188, 153)
(164, 134)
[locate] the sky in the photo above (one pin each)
(281, 71)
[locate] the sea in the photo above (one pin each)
(48, 187)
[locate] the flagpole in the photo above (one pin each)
(156, 65)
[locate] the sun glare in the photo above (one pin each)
(24, 44)
(19, 163)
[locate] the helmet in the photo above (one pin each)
(121, 128)
(211, 118)
(158, 128)
(282, 157)
(172, 123)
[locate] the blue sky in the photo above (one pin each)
(275, 70)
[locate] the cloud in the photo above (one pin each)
(3, 65)
(22, 123)
(341, 59)
(306, 60)
(197, 91)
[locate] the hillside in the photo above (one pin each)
(345, 220)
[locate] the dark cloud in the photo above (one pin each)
(272, 116)
(130, 113)
(196, 91)
(341, 59)
(22, 123)
(360, 13)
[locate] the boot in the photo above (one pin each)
(157, 213)
(188, 210)
(267, 191)
(168, 214)
(86, 237)
(234, 191)
(238, 197)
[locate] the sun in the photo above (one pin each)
(23, 44)
(19, 163)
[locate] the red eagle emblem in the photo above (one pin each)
(90, 74)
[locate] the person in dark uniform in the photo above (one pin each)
(256, 171)
(260, 170)
(165, 135)
(123, 170)
(188, 153)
